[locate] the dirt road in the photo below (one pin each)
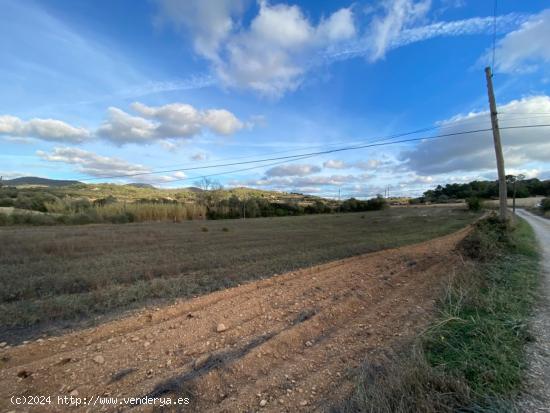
(287, 343)
(538, 380)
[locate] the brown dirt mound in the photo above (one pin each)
(286, 343)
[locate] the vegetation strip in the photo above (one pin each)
(472, 358)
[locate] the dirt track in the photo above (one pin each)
(289, 344)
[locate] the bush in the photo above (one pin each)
(27, 218)
(474, 203)
(6, 202)
(486, 240)
(545, 205)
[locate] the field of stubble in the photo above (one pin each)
(53, 275)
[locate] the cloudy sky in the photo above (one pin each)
(95, 90)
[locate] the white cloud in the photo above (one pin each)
(312, 184)
(172, 121)
(271, 54)
(44, 129)
(120, 127)
(380, 38)
(399, 15)
(292, 170)
(525, 48)
(475, 152)
(369, 164)
(90, 163)
(274, 52)
(210, 21)
(99, 166)
(335, 164)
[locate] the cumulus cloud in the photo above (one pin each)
(271, 54)
(210, 21)
(525, 48)
(172, 121)
(92, 164)
(292, 170)
(307, 181)
(369, 164)
(335, 164)
(475, 152)
(44, 129)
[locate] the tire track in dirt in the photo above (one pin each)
(290, 339)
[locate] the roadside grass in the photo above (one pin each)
(471, 359)
(60, 273)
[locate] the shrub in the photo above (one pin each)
(485, 241)
(6, 202)
(225, 229)
(4, 219)
(474, 203)
(545, 205)
(27, 218)
(204, 229)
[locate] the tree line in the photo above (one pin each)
(486, 190)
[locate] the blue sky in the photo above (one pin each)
(94, 89)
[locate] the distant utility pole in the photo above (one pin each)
(498, 146)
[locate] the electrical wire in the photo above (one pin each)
(313, 154)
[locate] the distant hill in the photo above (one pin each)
(33, 180)
(141, 185)
(193, 189)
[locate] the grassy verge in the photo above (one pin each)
(471, 359)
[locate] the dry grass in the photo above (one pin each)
(68, 273)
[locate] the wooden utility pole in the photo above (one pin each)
(498, 147)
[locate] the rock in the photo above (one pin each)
(309, 343)
(23, 374)
(263, 403)
(99, 359)
(74, 393)
(303, 403)
(3, 344)
(146, 344)
(221, 328)
(201, 361)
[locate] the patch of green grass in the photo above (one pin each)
(472, 358)
(486, 313)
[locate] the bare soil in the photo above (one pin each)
(289, 344)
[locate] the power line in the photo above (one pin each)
(383, 138)
(191, 168)
(254, 161)
(293, 158)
